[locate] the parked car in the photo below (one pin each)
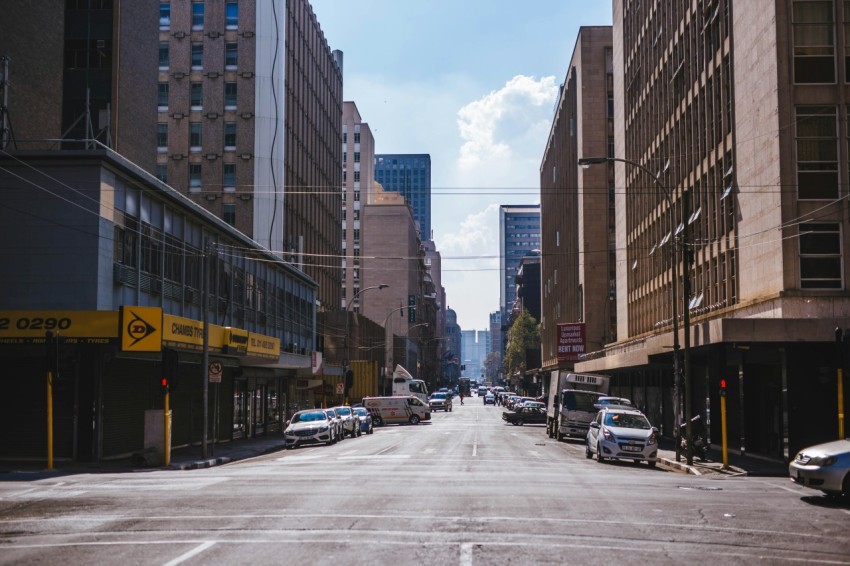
(525, 415)
(309, 427)
(440, 402)
(337, 420)
(619, 433)
(365, 420)
(350, 421)
(825, 467)
(489, 399)
(482, 391)
(613, 401)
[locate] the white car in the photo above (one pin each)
(310, 427)
(337, 420)
(625, 434)
(825, 467)
(350, 421)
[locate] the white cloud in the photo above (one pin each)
(475, 232)
(497, 128)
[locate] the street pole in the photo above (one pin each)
(675, 243)
(205, 344)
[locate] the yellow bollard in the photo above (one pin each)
(166, 444)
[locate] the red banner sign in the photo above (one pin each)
(571, 343)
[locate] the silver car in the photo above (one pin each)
(825, 467)
(350, 421)
(309, 427)
(337, 420)
(619, 433)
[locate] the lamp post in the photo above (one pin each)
(586, 162)
(347, 343)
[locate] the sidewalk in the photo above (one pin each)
(739, 465)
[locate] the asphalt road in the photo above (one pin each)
(463, 489)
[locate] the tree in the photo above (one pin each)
(523, 334)
(492, 366)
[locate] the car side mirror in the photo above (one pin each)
(594, 424)
(655, 429)
(287, 423)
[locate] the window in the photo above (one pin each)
(357, 157)
(230, 95)
(162, 172)
(162, 96)
(195, 136)
(356, 137)
(164, 15)
(162, 136)
(820, 256)
(228, 213)
(197, 56)
(817, 152)
(230, 136)
(195, 177)
(197, 15)
(196, 95)
(231, 55)
(163, 56)
(814, 41)
(229, 177)
(357, 176)
(231, 14)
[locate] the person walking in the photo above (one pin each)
(461, 397)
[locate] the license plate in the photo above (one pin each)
(629, 448)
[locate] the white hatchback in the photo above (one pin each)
(619, 433)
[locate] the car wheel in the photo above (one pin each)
(520, 422)
(845, 487)
(599, 457)
(371, 429)
(414, 419)
(587, 452)
(377, 421)
(651, 463)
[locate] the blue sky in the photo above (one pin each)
(473, 83)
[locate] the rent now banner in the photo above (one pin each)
(571, 343)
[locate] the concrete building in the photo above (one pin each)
(738, 115)
(241, 109)
(475, 345)
(358, 157)
(577, 211)
(519, 233)
(410, 176)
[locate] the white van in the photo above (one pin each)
(400, 409)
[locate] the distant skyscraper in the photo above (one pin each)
(410, 175)
(519, 233)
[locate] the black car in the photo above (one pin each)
(523, 415)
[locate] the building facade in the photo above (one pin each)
(519, 233)
(577, 211)
(741, 110)
(410, 176)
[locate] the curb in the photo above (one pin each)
(198, 464)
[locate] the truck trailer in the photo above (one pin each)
(570, 404)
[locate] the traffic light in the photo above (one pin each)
(170, 366)
(349, 379)
(722, 387)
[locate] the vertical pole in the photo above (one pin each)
(686, 313)
(205, 358)
(840, 404)
(166, 428)
(49, 420)
(723, 437)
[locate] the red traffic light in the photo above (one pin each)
(164, 384)
(723, 387)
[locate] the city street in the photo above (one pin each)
(465, 489)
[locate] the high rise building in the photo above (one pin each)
(241, 110)
(578, 257)
(731, 130)
(357, 174)
(409, 175)
(519, 233)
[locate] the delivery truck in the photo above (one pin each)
(571, 400)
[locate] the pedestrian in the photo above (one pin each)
(461, 397)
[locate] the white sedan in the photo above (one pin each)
(825, 467)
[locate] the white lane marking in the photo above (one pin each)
(475, 450)
(376, 457)
(299, 457)
(190, 554)
(466, 554)
(348, 453)
(534, 453)
(429, 450)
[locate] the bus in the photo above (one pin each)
(463, 387)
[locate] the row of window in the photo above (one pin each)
(814, 32)
(231, 15)
(231, 55)
(196, 96)
(196, 136)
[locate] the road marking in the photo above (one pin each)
(429, 450)
(534, 453)
(475, 450)
(190, 554)
(376, 457)
(348, 453)
(466, 554)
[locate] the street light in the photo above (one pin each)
(585, 163)
(388, 338)
(347, 343)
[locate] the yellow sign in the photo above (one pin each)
(68, 324)
(141, 329)
(182, 330)
(235, 341)
(264, 346)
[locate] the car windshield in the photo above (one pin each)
(308, 417)
(343, 411)
(438, 396)
(360, 412)
(627, 421)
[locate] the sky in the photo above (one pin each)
(473, 83)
